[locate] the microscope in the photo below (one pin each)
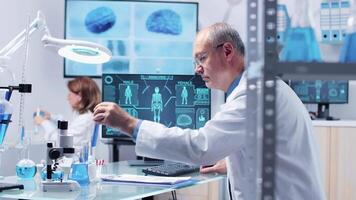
(53, 154)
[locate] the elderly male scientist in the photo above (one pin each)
(219, 59)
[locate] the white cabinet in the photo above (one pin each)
(323, 142)
(343, 163)
(337, 145)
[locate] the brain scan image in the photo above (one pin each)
(164, 21)
(100, 20)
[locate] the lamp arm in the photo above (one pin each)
(38, 23)
(47, 40)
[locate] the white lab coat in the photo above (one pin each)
(81, 127)
(298, 170)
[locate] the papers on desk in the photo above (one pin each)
(150, 180)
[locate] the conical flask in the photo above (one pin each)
(300, 40)
(348, 49)
(6, 109)
(6, 79)
(5, 116)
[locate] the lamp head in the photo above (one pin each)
(79, 51)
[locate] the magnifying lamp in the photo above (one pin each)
(76, 50)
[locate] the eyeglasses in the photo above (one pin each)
(200, 59)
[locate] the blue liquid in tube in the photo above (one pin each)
(348, 49)
(3, 126)
(300, 45)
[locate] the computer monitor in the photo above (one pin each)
(172, 100)
(145, 37)
(322, 93)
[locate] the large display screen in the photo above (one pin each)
(145, 37)
(172, 100)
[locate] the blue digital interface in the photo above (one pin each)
(172, 100)
(145, 37)
(320, 91)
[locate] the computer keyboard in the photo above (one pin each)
(170, 169)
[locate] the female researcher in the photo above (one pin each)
(83, 96)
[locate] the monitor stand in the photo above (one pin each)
(323, 110)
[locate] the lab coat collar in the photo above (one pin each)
(233, 85)
(239, 89)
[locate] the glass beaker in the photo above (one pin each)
(79, 172)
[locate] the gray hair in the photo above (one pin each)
(222, 32)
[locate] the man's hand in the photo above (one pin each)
(112, 115)
(219, 167)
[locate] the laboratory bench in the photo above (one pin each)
(107, 190)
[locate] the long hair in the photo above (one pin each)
(89, 92)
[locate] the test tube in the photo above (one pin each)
(36, 128)
(84, 153)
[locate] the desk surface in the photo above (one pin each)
(99, 190)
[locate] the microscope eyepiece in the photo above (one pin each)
(62, 125)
